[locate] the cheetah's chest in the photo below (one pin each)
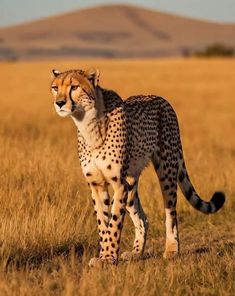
(103, 164)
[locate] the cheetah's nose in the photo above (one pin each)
(60, 103)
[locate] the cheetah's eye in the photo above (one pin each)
(74, 87)
(55, 88)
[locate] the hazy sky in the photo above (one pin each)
(16, 11)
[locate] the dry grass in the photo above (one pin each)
(47, 227)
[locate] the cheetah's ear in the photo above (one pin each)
(55, 73)
(93, 76)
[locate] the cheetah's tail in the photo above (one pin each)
(193, 198)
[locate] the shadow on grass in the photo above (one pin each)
(197, 251)
(194, 251)
(221, 248)
(36, 258)
(226, 248)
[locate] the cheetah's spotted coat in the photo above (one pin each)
(116, 140)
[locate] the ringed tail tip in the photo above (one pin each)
(218, 199)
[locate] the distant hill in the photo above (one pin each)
(112, 31)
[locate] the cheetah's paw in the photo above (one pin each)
(100, 262)
(95, 262)
(170, 255)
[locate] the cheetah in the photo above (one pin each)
(116, 141)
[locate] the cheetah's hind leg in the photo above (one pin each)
(140, 222)
(168, 183)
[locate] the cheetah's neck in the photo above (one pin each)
(92, 127)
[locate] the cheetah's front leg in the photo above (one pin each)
(110, 246)
(101, 201)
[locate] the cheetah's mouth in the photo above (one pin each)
(63, 112)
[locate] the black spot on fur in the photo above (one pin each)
(181, 176)
(106, 202)
(131, 203)
(170, 203)
(115, 218)
(166, 187)
(198, 203)
(209, 208)
(122, 211)
(189, 193)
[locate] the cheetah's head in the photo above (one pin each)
(74, 91)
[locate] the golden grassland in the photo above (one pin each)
(47, 227)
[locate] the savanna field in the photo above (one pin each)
(47, 227)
